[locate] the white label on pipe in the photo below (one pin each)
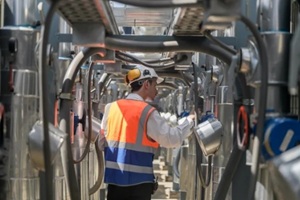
(286, 140)
(183, 1)
(171, 43)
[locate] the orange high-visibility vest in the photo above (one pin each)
(129, 151)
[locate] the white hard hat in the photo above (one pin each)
(142, 72)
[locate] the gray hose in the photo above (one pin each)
(167, 44)
(65, 105)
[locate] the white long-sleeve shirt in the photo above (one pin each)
(157, 127)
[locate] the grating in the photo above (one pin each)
(188, 21)
(88, 11)
(76, 11)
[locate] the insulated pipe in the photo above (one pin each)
(24, 12)
(294, 61)
(167, 44)
(274, 15)
(65, 105)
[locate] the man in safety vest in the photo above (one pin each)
(133, 130)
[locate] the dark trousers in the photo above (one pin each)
(136, 192)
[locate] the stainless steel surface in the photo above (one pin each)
(24, 12)
(209, 135)
(264, 188)
(246, 61)
(23, 179)
(188, 168)
(285, 174)
(35, 144)
(27, 41)
(278, 99)
(278, 55)
(64, 47)
(274, 15)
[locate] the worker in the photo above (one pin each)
(133, 130)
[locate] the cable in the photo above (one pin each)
(87, 146)
(65, 105)
(45, 32)
(161, 3)
(262, 105)
(167, 44)
(218, 42)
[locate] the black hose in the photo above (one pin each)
(100, 160)
(167, 44)
(89, 100)
(65, 105)
(45, 32)
(262, 105)
(159, 3)
(229, 172)
(218, 42)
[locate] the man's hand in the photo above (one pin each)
(192, 116)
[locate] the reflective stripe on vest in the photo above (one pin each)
(129, 153)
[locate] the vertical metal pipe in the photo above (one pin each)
(24, 12)
(20, 70)
(274, 15)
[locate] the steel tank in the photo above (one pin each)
(19, 92)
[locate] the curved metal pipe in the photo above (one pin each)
(167, 44)
(65, 105)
